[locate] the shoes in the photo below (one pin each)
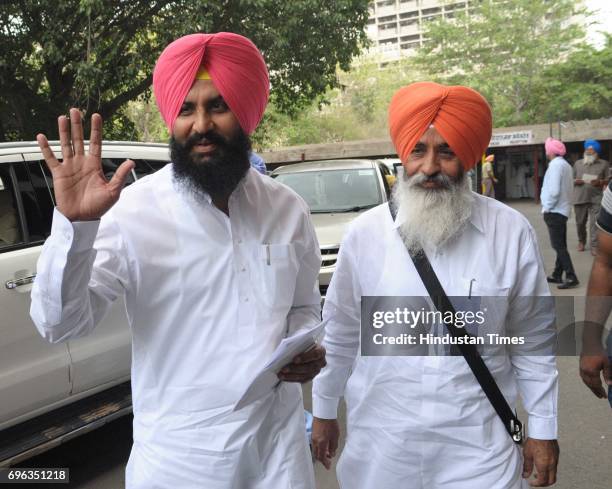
(554, 279)
(580, 246)
(569, 283)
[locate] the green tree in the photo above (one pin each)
(501, 48)
(99, 54)
(579, 88)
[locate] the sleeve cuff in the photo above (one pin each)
(80, 235)
(325, 408)
(542, 428)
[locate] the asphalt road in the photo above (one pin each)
(97, 460)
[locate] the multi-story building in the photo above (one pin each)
(395, 26)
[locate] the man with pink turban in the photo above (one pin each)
(217, 264)
(417, 417)
(556, 197)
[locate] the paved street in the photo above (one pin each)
(97, 460)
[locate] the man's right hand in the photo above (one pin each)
(592, 366)
(81, 190)
(325, 435)
(578, 181)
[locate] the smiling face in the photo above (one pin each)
(433, 158)
(203, 118)
(209, 149)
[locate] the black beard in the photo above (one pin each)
(217, 173)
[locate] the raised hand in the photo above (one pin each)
(82, 192)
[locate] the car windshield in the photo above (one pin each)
(335, 190)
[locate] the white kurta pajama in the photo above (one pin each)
(208, 297)
(423, 421)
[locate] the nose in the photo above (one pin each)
(203, 122)
(430, 165)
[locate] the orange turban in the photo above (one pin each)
(461, 115)
(233, 63)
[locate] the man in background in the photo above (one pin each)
(590, 178)
(488, 177)
(556, 200)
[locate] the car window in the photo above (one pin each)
(335, 190)
(10, 231)
(146, 167)
(36, 196)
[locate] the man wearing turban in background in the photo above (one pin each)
(217, 264)
(488, 177)
(591, 175)
(556, 197)
(424, 421)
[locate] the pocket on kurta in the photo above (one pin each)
(278, 267)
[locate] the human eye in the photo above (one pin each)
(447, 152)
(219, 105)
(185, 109)
(418, 150)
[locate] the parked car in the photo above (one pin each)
(51, 392)
(337, 191)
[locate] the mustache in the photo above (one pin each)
(209, 137)
(443, 180)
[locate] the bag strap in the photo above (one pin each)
(513, 425)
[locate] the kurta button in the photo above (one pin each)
(246, 300)
(243, 269)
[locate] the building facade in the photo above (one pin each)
(395, 26)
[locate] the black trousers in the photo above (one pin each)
(557, 230)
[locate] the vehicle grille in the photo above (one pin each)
(329, 256)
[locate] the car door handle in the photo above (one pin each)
(12, 284)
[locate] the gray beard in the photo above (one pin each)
(589, 159)
(432, 217)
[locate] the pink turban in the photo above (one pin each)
(461, 115)
(236, 68)
(554, 147)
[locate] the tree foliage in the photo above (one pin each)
(501, 48)
(579, 88)
(99, 54)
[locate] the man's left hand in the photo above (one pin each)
(544, 454)
(305, 366)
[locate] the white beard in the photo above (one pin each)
(589, 159)
(431, 217)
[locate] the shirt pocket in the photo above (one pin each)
(487, 300)
(277, 265)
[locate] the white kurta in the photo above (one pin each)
(424, 422)
(208, 297)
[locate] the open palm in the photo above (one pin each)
(81, 190)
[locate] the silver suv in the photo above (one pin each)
(337, 191)
(69, 387)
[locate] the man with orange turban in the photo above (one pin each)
(217, 265)
(418, 418)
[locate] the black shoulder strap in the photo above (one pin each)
(469, 351)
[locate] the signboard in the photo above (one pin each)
(511, 138)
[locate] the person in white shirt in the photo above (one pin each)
(423, 422)
(556, 197)
(217, 264)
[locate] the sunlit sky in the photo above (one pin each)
(603, 11)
